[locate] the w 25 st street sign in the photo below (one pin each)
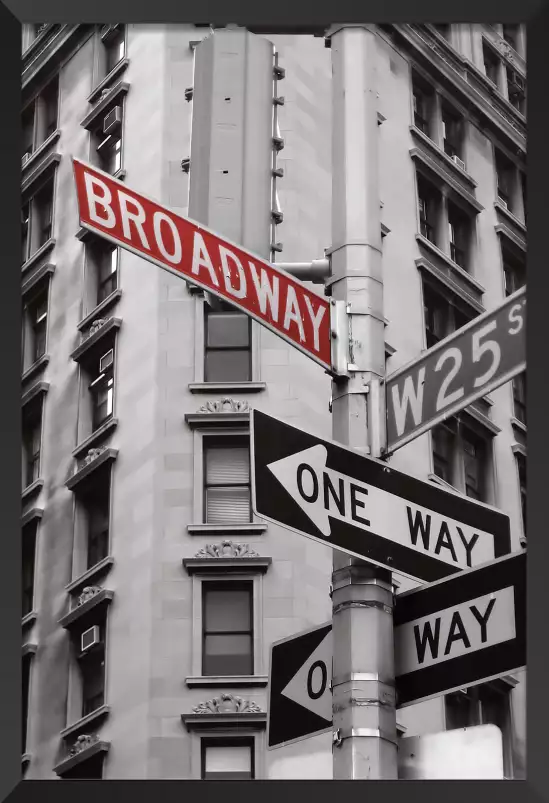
(193, 252)
(479, 357)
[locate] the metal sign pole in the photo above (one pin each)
(364, 714)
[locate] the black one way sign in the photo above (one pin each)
(461, 631)
(362, 506)
(300, 690)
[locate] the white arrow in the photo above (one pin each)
(319, 491)
(310, 687)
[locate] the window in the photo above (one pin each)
(38, 318)
(423, 99)
(521, 468)
(28, 537)
(461, 458)
(443, 448)
(511, 34)
(436, 316)
(32, 436)
(228, 345)
(429, 201)
(110, 153)
(452, 132)
(504, 174)
(486, 704)
(115, 47)
(444, 30)
(227, 759)
(519, 397)
(474, 459)
(95, 502)
(104, 260)
(39, 118)
(102, 389)
(514, 271)
(89, 770)
(227, 618)
(516, 89)
(459, 227)
(491, 63)
(91, 664)
(227, 480)
(26, 668)
(37, 220)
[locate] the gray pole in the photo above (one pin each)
(363, 662)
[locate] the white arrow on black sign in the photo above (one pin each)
(362, 506)
(300, 694)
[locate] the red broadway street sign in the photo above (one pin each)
(191, 251)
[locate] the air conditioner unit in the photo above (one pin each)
(89, 638)
(518, 81)
(106, 360)
(112, 120)
(459, 162)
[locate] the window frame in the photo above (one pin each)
(31, 528)
(234, 741)
(236, 576)
(85, 499)
(33, 410)
(75, 701)
(226, 309)
(465, 428)
(39, 107)
(212, 442)
(208, 586)
(26, 691)
(34, 227)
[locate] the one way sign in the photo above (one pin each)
(364, 507)
(300, 693)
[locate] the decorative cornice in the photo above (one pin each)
(227, 704)
(227, 549)
(87, 609)
(225, 405)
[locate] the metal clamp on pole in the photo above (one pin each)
(366, 733)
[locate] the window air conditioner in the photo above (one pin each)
(89, 638)
(112, 120)
(106, 360)
(459, 162)
(517, 81)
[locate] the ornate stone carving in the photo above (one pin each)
(96, 325)
(84, 740)
(227, 704)
(227, 549)
(225, 406)
(42, 28)
(92, 454)
(105, 92)
(88, 593)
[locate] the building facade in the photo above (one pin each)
(151, 593)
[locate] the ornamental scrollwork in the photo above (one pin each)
(227, 704)
(226, 405)
(227, 549)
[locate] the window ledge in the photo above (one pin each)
(120, 174)
(519, 448)
(82, 612)
(70, 762)
(107, 455)
(29, 619)
(514, 238)
(247, 528)
(116, 71)
(222, 387)
(37, 256)
(211, 419)
(513, 219)
(117, 92)
(44, 270)
(200, 681)
(460, 173)
(35, 368)
(95, 438)
(195, 722)
(448, 282)
(441, 173)
(40, 151)
(459, 271)
(32, 490)
(257, 565)
(30, 515)
(96, 312)
(520, 425)
(100, 569)
(439, 481)
(91, 341)
(47, 165)
(29, 648)
(81, 724)
(480, 418)
(34, 391)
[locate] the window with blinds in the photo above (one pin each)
(227, 628)
(227, 480)
(227, 759)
